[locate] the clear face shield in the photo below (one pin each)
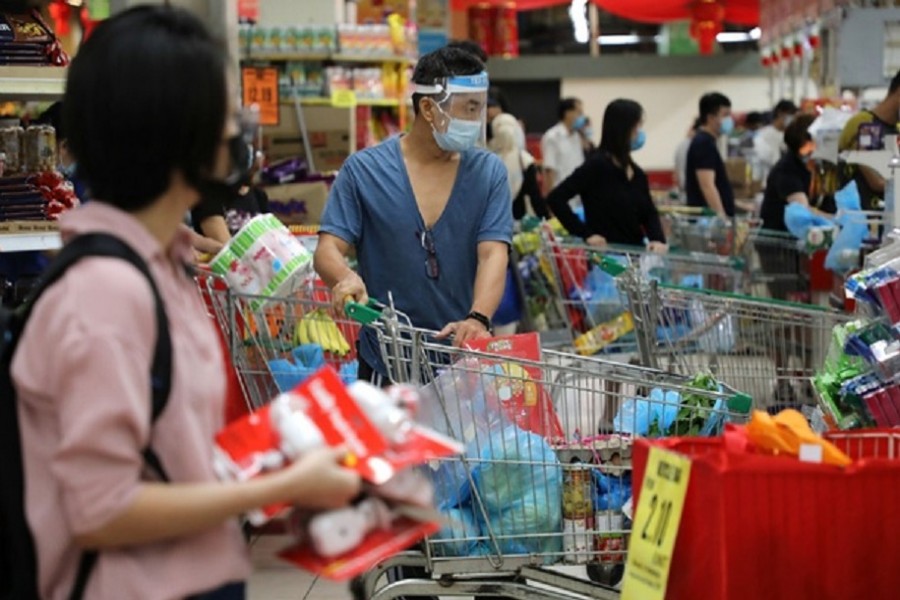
(460, 119)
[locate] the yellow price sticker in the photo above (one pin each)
(655, 528)
(343, 98)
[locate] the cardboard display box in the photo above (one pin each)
(298, 203)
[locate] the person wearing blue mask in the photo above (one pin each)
(562, 146)
(614, 190)
(707, 184)
(428, 213)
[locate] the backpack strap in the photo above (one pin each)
(103, 245)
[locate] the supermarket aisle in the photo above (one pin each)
(274, 579)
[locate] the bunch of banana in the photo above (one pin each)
(317, 327)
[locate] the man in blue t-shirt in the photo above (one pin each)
(706, 181)
(428, 214)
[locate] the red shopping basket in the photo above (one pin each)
(773, 527)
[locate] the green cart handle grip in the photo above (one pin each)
(611, 266)
(365, 314)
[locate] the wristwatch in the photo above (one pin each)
(483, 319)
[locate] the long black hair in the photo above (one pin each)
(619, 121)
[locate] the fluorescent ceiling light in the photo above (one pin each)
(619, 40)
(580, 21)
(733, 37)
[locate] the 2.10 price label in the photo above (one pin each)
(655, 528)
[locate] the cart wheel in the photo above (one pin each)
(605, 574)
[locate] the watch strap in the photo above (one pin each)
(483, 319)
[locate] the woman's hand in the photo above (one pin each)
(597, 241)
(318, 481)
(657, 247)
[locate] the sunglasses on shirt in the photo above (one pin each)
(432, 268)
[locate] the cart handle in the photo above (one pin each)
(365, 314)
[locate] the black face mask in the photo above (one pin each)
(240, 158)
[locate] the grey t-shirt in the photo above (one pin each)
(372, 207)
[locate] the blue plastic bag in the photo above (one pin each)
(847, 198)
(610, 493)
(843, 255)
(800, 219)
(510, 309)
(520, 483)
(637, 414)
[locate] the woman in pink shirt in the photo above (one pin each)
(147, 107)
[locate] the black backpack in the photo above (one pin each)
(18, 563)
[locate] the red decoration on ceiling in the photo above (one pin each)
(737, 12)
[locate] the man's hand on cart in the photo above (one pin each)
(350, 288)
(463, 332)
(597, 241)
(657, 247)
(319, 480)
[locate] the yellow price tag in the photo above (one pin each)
(343, 98)
(656, 522)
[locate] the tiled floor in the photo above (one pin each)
(273, 579)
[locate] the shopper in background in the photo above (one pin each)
(497, 105)
(614, 191)
(768, 144)
(707, 182)
(790, 179)
(562, 147)
(866, 131)
(521, 169)
(219, 218)
(681, 153)
(146, 137)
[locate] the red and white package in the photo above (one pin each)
(518, 384)
(383, 444)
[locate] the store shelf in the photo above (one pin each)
(388, 102)
(335, 57)
(28, 242)
(32, 82)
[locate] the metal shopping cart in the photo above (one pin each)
(545, 438)
(691, 229)
(591, 303)
(768, 348)
(274, 343)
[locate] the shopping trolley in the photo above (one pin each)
(274, 343)
(693, 229)
(767, 348)
(592, 304)
(541, 484)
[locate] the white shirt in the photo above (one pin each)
(768, 146)
(681, 154)
(561, 151)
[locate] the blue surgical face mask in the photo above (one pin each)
(727, 125)
(588, 133)
(580, 121)
(638, 142)
(461, 135)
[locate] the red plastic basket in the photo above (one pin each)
(773, 527)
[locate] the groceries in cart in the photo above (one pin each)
(812, 229)
(385, 445)
(263, 259)
(670, 412)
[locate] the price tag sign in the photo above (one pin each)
(656, 525)
(260, 87)
(343, 98)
